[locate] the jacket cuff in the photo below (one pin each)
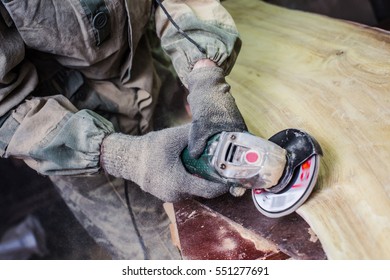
(221, 42)
(53, 139)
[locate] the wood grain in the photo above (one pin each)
(331, 79)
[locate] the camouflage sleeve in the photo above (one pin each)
(54, 138)
(18, 77)
(207, 23)
(48, 133)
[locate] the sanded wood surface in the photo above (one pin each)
(332, 79)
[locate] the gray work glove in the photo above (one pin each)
(153, 162)
(213, 111)
(213, 108)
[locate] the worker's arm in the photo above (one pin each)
(17, 75)
(55, 138)
(43, 131)
(203, 65)
(208, 24)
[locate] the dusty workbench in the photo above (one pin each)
(330, 78)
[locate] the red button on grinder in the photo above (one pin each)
(252, 157)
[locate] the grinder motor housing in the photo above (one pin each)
(269, 167)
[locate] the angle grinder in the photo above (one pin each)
(281, 171)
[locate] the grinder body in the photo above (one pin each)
(276, 169)
(239, 158)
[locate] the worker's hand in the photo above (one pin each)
(153, 162)
(213, 107)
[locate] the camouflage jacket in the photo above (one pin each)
(73, 71)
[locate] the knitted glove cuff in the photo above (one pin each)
(116, 153)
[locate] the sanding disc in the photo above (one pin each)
(275, 205)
